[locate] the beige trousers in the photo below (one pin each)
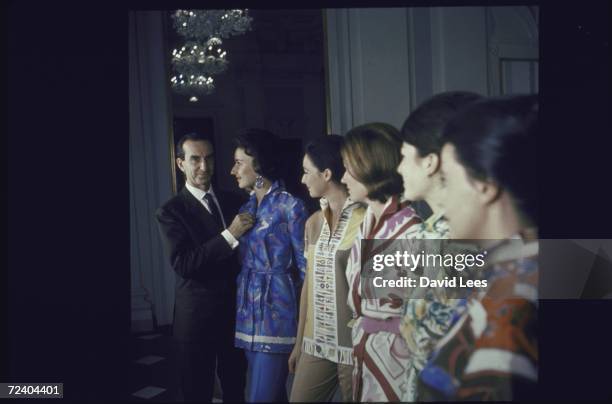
(316, 380)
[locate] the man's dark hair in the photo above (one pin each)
(263, 146)
(424, 127)
(193, 136)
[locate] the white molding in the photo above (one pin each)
(345, 74)
(331, 28)
(459, 54)
(339, 69)
(410, 20)
(512, 34)
(421, 51)
(355, 62)
(457, 58)
(369, 66)
(437, 50)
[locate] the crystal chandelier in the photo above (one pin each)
(204, 24)
(202, 56)
(209, 59)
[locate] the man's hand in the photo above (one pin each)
(241, 223)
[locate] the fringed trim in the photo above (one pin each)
(339, 354)
(345, 355)
(308, 346)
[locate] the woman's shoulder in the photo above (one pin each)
(406, 213)
(288, 200)
(407, 209)
(249, 206)
(435, 227)
(404, 223)
(313, 225)
(359, 210)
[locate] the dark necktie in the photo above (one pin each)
(213, 209)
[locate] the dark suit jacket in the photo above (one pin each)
(205, 264)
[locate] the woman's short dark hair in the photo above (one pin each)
(373, 152)
(424, 127)
(496, 139)
(263, 146)
(324, 152)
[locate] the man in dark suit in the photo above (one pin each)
(202, 252)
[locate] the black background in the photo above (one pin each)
(67, 288)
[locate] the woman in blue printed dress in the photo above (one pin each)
(273, 266)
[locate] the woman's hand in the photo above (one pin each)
(294, 357)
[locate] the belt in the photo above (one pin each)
(374, 325)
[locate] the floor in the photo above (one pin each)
(153, 377)
(151, 368)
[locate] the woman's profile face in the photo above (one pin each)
(463, 205)
(356, 190)
(243, 169)
(413, 172)
(313, 178)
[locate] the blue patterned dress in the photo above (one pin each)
(273, 268)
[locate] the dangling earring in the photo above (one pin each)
(259, 182)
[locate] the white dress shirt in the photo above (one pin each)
(199, 195)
